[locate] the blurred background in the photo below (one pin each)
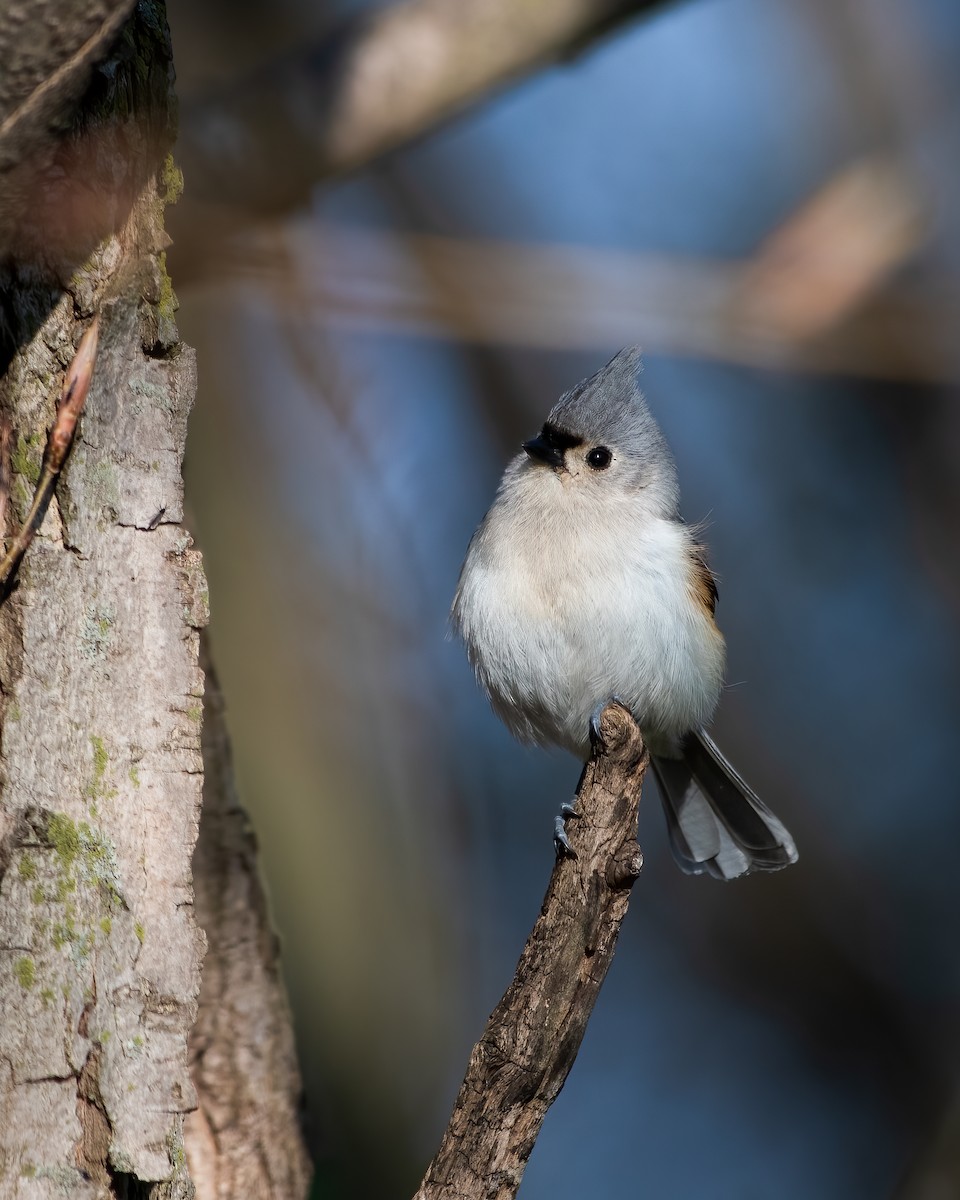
(765, 195)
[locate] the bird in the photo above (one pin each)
(582, 584)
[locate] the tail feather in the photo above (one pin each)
(716, 822)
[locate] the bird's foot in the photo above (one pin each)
(596, 737)
(560, 839)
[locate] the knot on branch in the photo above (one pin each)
(625, 867)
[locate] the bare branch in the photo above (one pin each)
(6, 477)
(578, 297)
(836, 250)
(76, 384)
(385, 79)
(520, 1064)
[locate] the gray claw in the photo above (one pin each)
(561, 841)
(596, 737)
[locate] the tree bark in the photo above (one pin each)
(523, 1058)
(101, 691)
(244, 1139)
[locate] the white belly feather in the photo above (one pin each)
(556, 623)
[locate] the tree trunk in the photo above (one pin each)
(101, 692)
(244, 1139)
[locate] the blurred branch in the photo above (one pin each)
(67, 118)
(520, 1064)
(47, 51)
(935, 1174)
(57, 160)
(773, 311)
(383, 80)
(835, 250)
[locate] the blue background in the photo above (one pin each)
(792, 1035)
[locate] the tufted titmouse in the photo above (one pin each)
(581, 584)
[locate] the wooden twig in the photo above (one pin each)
(76, 384)
(6, 475)
(519, 1065)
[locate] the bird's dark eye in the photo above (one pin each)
(599, 458)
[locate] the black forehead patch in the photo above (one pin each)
(559, 439)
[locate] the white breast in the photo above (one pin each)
(562, 606)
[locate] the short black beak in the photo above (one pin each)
(541, 450)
